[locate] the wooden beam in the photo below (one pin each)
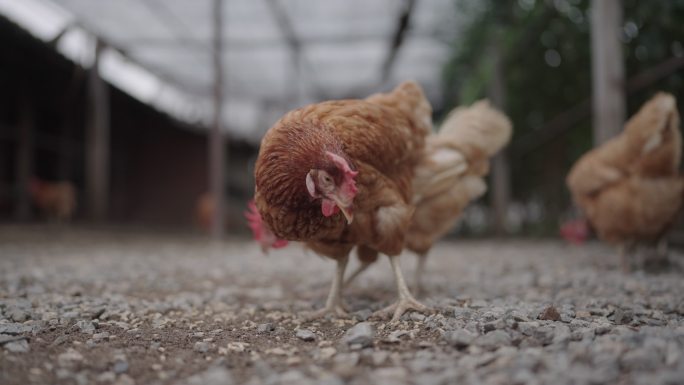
(500, 180)
(24, 159)
(97, 142)
(608, 69)
(216, 141)
(397, 39)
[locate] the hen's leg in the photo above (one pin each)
(406, 300)
(625, 260)
(418, 277)
(362, 267)
(334, 302)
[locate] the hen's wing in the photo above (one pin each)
(636, 208)
(591, 174)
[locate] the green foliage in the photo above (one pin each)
(546, 65)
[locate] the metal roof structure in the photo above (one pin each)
(277, 54)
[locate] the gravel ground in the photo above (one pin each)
(85, 306)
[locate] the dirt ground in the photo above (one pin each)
(82, 306)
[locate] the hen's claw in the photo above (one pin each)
(400, 307)
(336, 310)
(406, 299)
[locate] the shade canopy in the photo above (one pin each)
(277, 54)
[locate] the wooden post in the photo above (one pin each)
(500, 196)
(24, 159)
(608, 69)
(216, 142)
(97, 142)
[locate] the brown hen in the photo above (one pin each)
(630, 188)
(339, 174)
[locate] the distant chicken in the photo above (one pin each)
(449, 176)
(630, 188)
(56, 200)
(339, 174)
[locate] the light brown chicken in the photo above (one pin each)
(339, 174)
(450, 176)
(56, 200)
(630, 188)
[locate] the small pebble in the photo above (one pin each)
(305, 335)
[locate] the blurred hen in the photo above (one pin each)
(56, 200)
(630, 188)
(450, 176)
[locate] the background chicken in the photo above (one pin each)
(630, 188)
(56, 200)
(339, 174)
(449, 176)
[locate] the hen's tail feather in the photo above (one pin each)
(477, 126)
(468, 133)
(409, 98)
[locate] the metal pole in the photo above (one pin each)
(24, 158)
(608, 69)
(216, 144)
(97, 142)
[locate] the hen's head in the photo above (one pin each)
(334, 183)
(260, 230)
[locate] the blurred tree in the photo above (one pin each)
(545, 49)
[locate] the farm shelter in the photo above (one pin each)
(158, 163)
(229, 85)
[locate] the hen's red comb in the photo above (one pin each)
(261, 232)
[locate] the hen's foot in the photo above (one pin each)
(335, 310)
(400, 307)
(333, 305)
(406, 300)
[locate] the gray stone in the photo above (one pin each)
(460, 338)
(392, 375)
(18, 315)
(265, 328)
(363, 314)
(642, 359)
(562, 334)
(120, 366)
(345, 364)
(379, 357)
(18, 346)
(493, 340)
(622, 317)
(86, 326)
(544, 334)
(201, 347)
(14, 329)
(217, 375)
(603, 329)
(305, 335)
(528, 328)
(97, 337)
(360, 334)
(70, 315)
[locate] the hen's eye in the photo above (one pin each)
(327, 179)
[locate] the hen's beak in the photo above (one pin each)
(344, 205)
(347, 212)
